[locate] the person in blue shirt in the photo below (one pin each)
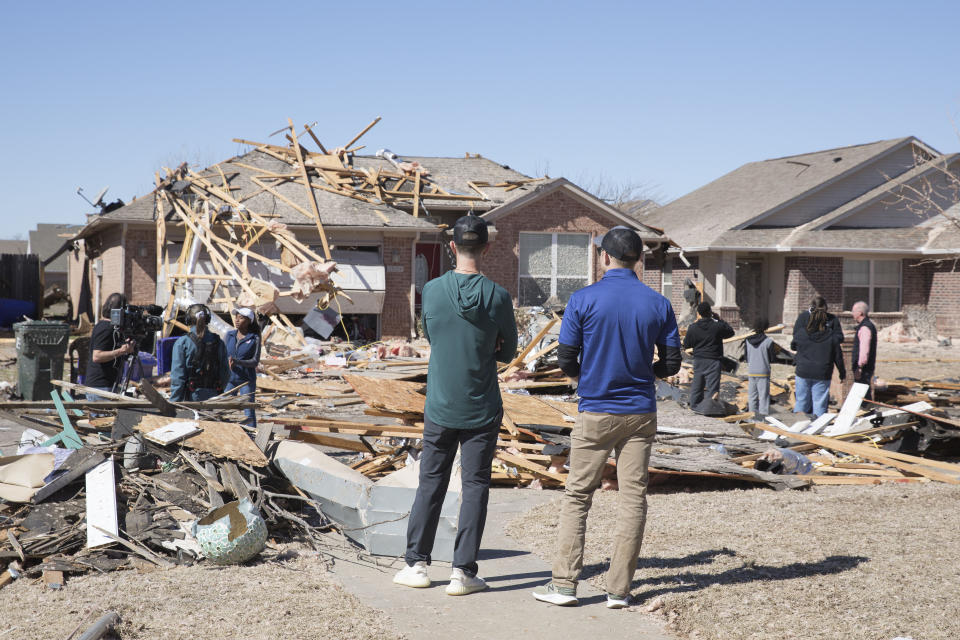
(607, 341)
(243, 354)
(199, 369)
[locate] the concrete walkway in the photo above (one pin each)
(506, 609)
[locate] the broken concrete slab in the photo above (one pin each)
(373, 514)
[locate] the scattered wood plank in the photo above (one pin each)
(392, 395)
(222, 439)
(933, 469)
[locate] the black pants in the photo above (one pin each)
(706, 380)
(436, 462)
(864, 376)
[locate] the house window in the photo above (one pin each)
(666, 278)
(552, 264)
(876, 282)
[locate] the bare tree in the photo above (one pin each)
(935, 193)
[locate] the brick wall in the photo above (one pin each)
(110, 251)
(557, 212)
(807, 276)
(140, 282)
(935, 286)
(395, 318)
(653, 278)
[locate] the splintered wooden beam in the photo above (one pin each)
(416, 195)
(518, 361)
(523, 463)
(312, 198)
(359, 135)
(315, 139)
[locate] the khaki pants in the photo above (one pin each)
(592, 439)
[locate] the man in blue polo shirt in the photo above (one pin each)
(607, 342)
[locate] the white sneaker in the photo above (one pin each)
(415, 576)
(462, 583)
(617, 602)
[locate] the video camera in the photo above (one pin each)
(137, 322)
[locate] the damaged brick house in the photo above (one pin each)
(386, 250)
(767, 237)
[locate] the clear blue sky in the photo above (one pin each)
(668, 94)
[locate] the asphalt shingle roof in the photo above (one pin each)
(754, 189)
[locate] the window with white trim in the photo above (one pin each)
(876, 282)
(666, 277)
(552, 264)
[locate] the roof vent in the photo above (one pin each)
(837, 159)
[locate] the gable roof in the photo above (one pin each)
(758, 189)
(549, 186)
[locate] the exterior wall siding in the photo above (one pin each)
(843, 191)
(556, 212)
(887, 213)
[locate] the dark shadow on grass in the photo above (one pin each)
(701, 557)
(687, 582)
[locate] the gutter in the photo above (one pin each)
(788, 249)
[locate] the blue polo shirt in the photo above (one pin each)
(618, 322)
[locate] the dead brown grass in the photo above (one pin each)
(266, 600)
(857, 563)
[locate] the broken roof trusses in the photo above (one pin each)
(229, 256)
(335, 169)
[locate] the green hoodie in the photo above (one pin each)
(463, 316)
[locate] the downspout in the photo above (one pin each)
(123, 262)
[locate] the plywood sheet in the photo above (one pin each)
(320, 390)
(223, 439)
(392, 395)
(524, 409)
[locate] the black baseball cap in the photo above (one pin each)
(621, 243)
(470, 231)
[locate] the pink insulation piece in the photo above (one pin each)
(308, 277)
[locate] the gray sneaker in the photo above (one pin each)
(561, 596)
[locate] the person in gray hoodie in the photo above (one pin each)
(761, 350)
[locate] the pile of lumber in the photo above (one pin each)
(526, 430)
(110, 506)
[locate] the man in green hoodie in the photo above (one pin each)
(468, 320)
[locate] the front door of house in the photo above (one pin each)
(750, 290)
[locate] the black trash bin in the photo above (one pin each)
(41, 347)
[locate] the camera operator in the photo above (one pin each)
(107, 350)
(199, 369)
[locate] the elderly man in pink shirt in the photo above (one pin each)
(864, 357)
